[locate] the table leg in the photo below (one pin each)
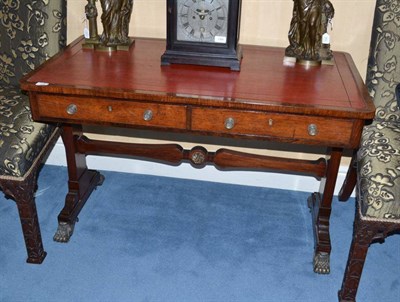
(320, 205)
(81, 183)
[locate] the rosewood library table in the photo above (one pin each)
(268, 99)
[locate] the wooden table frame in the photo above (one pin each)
(267, 100)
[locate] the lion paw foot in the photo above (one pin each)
(322, 263)
(64, 232)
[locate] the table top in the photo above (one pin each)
(264, 83)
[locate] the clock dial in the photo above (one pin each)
(202, 20)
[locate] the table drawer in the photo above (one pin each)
(105, 111)
(282, 126)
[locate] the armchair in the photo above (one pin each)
(30, 33)
(375, 168)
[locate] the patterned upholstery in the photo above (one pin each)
(379, 172)
(30, 32)
(379, 154)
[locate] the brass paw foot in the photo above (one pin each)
(322, 263)
(64, 232)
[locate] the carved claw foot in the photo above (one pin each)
(64, 232)
(322, 263)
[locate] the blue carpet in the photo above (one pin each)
(146, 238)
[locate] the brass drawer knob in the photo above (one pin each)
(229, 123)
(312, 130)
(72, 109)
(148, 115)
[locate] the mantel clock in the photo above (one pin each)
(203, 32)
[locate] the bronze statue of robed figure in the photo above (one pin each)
(308, 26)
(115, 18)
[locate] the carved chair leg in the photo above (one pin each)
(23, 194)
(350, 181)
(363, 235)
(31, 230)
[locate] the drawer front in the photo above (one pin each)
(105, 111)
(287, 127)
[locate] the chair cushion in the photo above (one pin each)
(384, 60)
(379, 171)
(21, 139)
(30, 33)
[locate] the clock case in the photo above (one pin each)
(204, 53)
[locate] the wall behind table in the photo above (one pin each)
(264, 22)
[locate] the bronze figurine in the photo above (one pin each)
(328, 12)
(91, 16)
(308, 24)
(115, 17)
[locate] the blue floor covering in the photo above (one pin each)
(147, 238)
